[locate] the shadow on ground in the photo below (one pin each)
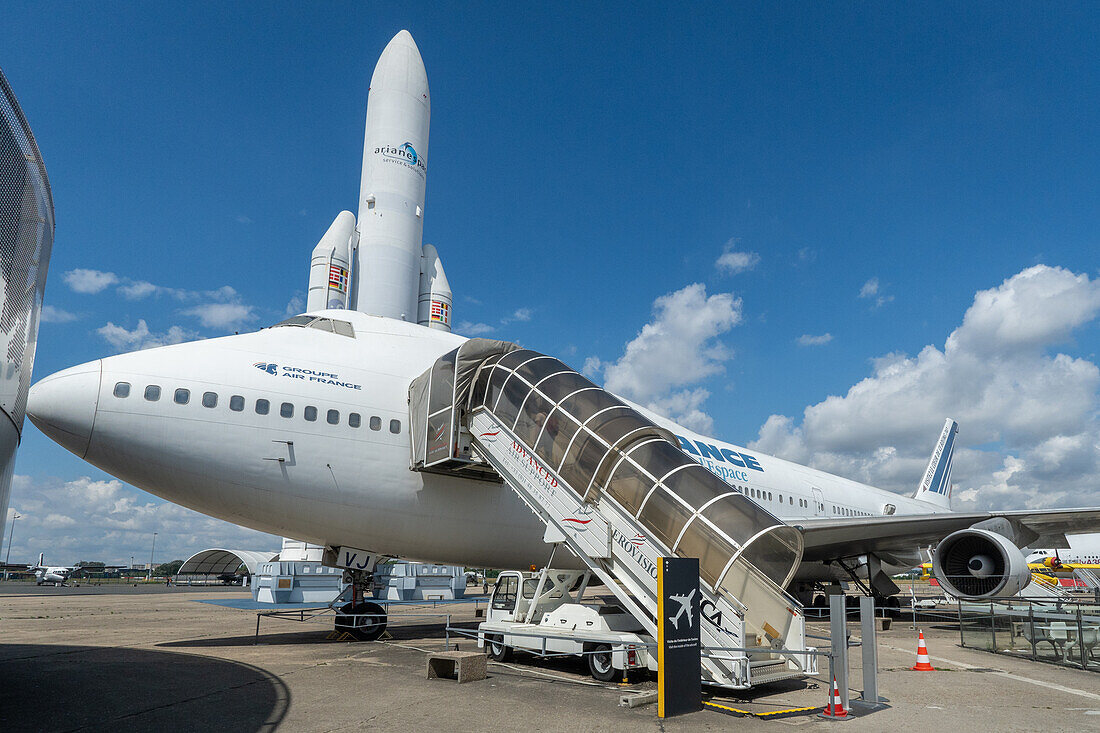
(62, 688)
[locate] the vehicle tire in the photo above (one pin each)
(350, 620)
(893, 607)
(496, 649)
(599, 663)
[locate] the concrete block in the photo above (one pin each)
(462, 666)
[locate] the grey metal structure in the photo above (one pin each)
(217, 561)
(26, 240)
(616, 491)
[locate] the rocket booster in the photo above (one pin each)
(434, 307)
(388, 258)
(330, 265)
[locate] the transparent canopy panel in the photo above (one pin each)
(602, 447)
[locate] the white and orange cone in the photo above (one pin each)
(835, 709)
(924, 664)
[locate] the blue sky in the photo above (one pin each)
(866, 172)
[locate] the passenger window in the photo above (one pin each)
(395, 426)
(152, 392)
(286, 409)
(262, 407)
(122, 389)
(333, 417)
(310, 413)
(354, 419)
(236, 403)
(183, 396)
(376, 423)
(209, 399)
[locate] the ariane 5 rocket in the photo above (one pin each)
(378, 264)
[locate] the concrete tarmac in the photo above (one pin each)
(117, 660)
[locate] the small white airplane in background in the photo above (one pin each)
(1083, 551)
(50, 574)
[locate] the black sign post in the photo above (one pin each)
(679, 686)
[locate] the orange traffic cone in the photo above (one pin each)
(923, 663)
(835, 708)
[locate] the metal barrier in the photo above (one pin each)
(1060, 632)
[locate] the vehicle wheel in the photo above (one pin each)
(893, 607)
(599, 663)
(496, 649)
(363, 628)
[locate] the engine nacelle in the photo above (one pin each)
(977, 563)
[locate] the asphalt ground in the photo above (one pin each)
(145, 659)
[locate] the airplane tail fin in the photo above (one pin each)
(935, 486)
(41, 560)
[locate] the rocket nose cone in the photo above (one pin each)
(63, 405)
(401, 68)
(402, 43)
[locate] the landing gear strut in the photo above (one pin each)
(365, 620)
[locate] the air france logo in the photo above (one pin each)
(307, 375)
(404, 153)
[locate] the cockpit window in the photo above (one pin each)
(300, 321)
(328, 325)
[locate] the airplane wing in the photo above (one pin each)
(830, 538)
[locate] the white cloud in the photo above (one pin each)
(242, 219)
(732, 262)
(224, 316)
(137, 289)
(50, 314)
(1029, 428)
(295, 305)
(592, 367)
(678, 348)
(141, 337)
(109, 521)
(809, 340)
(522, 314)
(474, 329)
(89, 281)
(873, 290)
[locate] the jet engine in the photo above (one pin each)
(977, 563)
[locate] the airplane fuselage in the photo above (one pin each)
(303, 432)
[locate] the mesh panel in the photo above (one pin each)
(26, 239)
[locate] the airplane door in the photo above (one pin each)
(819, 501)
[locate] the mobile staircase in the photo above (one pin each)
(617, 491)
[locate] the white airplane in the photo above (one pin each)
(50, 574)
(1080, 551)
(301, 430)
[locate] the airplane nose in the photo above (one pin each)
(63, 405)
